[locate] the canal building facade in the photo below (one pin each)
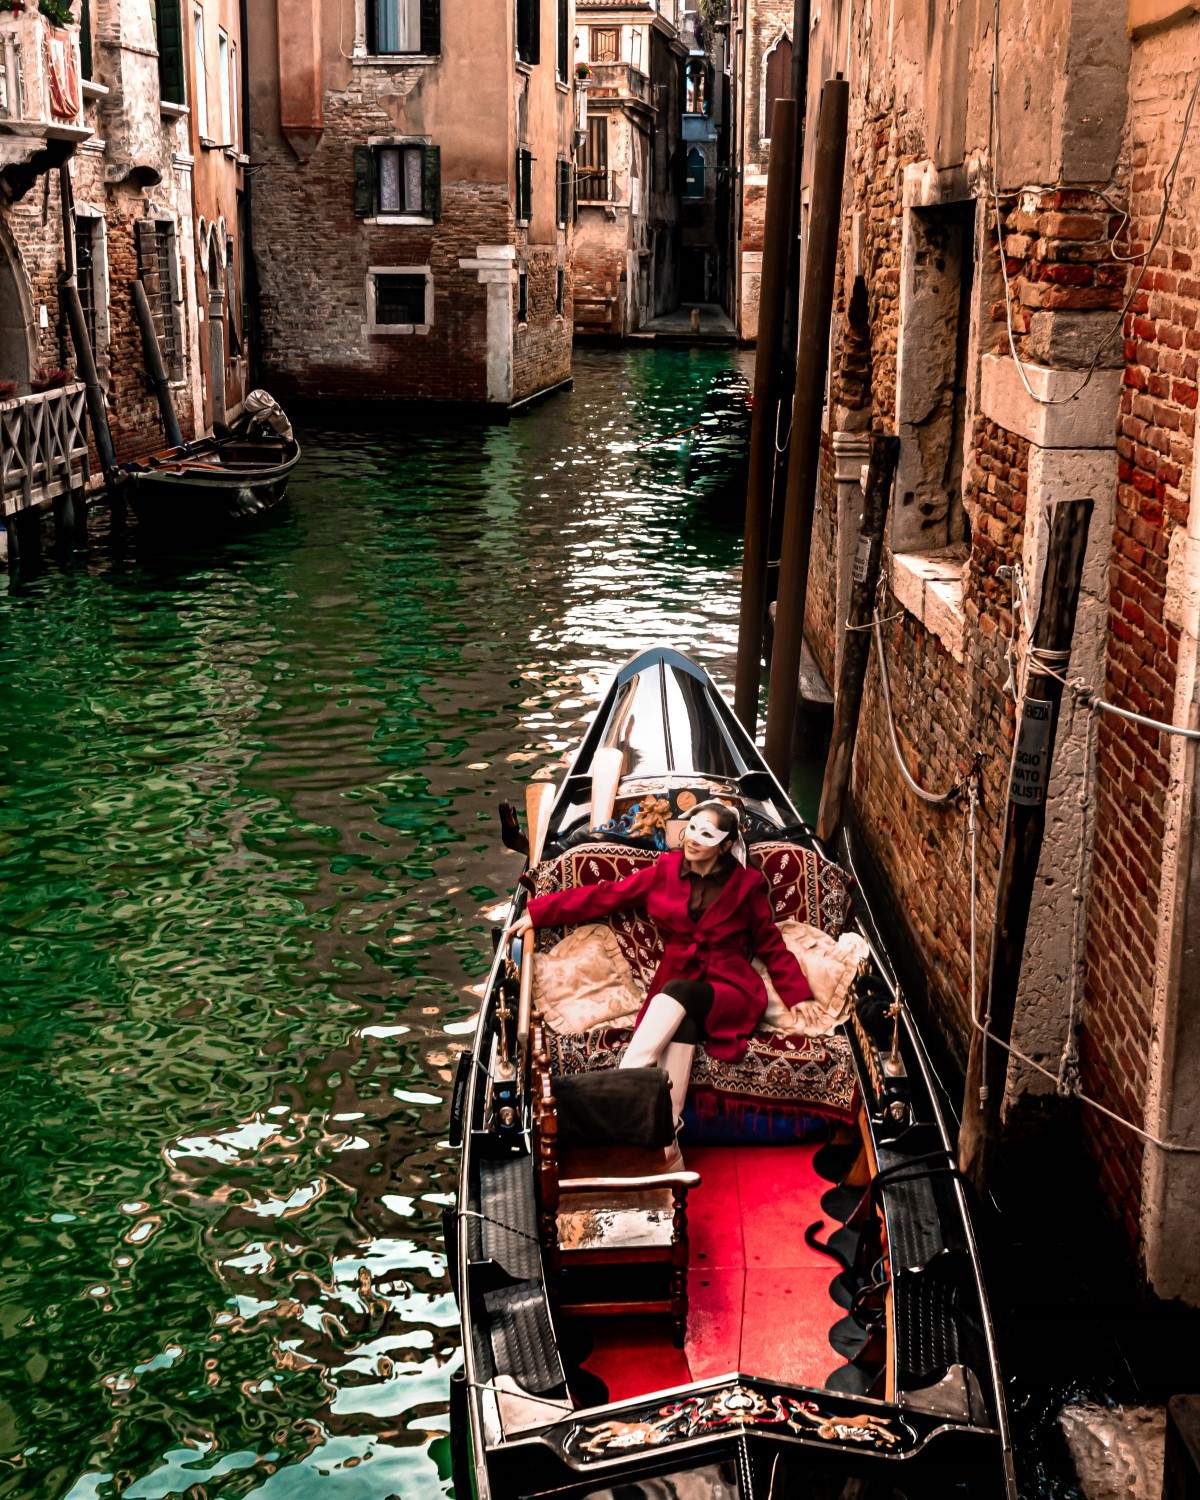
(706, 211)
(90, 96)
(212, 80)
(927, 318)
(630, 182)
(412, 215)
(761, 32)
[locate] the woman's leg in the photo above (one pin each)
(668, 1033)
(654, 1031)
(677, 1060)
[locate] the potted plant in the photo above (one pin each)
(583, 71)
(47, 379)
(8, 389)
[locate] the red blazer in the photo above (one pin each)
(717, 946)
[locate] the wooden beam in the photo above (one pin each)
(760, 482)
(856, 649)
(1024, 827)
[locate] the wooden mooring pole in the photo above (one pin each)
(764, 424)
(805, 453)
(1024, 827)
(790, 302)
(84, 356)
(856, 649)
(156, 371)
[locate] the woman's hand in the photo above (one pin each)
(518, 929)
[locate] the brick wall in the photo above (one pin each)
(36, 225)
(313, 256)
(1156, 430)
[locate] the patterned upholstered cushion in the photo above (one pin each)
(814, 1074)
(802, 884)
(589, 864)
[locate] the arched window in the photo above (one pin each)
(693, 186)
(778, 81)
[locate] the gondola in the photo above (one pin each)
(211, 481)
(813, 1321)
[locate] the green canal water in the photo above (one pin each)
(248, 862)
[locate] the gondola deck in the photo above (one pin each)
(774, 1390)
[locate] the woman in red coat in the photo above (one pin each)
(714, 915)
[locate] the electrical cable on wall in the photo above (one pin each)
(1168, 186)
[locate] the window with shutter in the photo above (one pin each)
(563, 61)
(398, 181)
(85, 38)
(524, 186)
(529, 25)
(522, 295)
(592, 177)
(560, 291)
(564, 193)
(778, 82)
(168, 21)
(431, 27)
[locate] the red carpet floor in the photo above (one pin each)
(759, 1296)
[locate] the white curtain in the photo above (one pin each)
(397, 25)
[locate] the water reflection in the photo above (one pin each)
(247, 864)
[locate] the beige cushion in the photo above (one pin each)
(828, 966)
(584, 981)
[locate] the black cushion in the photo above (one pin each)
(623, 1106)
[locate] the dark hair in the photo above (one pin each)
(727, 818)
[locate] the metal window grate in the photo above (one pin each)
(85, 273)
(164, 250)
(400, 299)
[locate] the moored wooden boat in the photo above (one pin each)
(732, 1349)
(211, 481)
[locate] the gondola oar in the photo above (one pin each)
(606, 776)
(539, 799)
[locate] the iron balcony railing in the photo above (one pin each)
(43, 447)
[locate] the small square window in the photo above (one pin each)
(400, 299)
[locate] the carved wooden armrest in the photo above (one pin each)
(682, 1180)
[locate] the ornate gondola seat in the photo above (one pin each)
(786, 1083)
(606, 1208)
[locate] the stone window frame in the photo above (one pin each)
(764, 124)
(927, 581)
(178, 375)
(101, 286)
(386, 330)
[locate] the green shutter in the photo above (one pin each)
(168, 16)
(431, 181)
(431, 27)
(564, 56)
(364, 182)
(535, 31)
